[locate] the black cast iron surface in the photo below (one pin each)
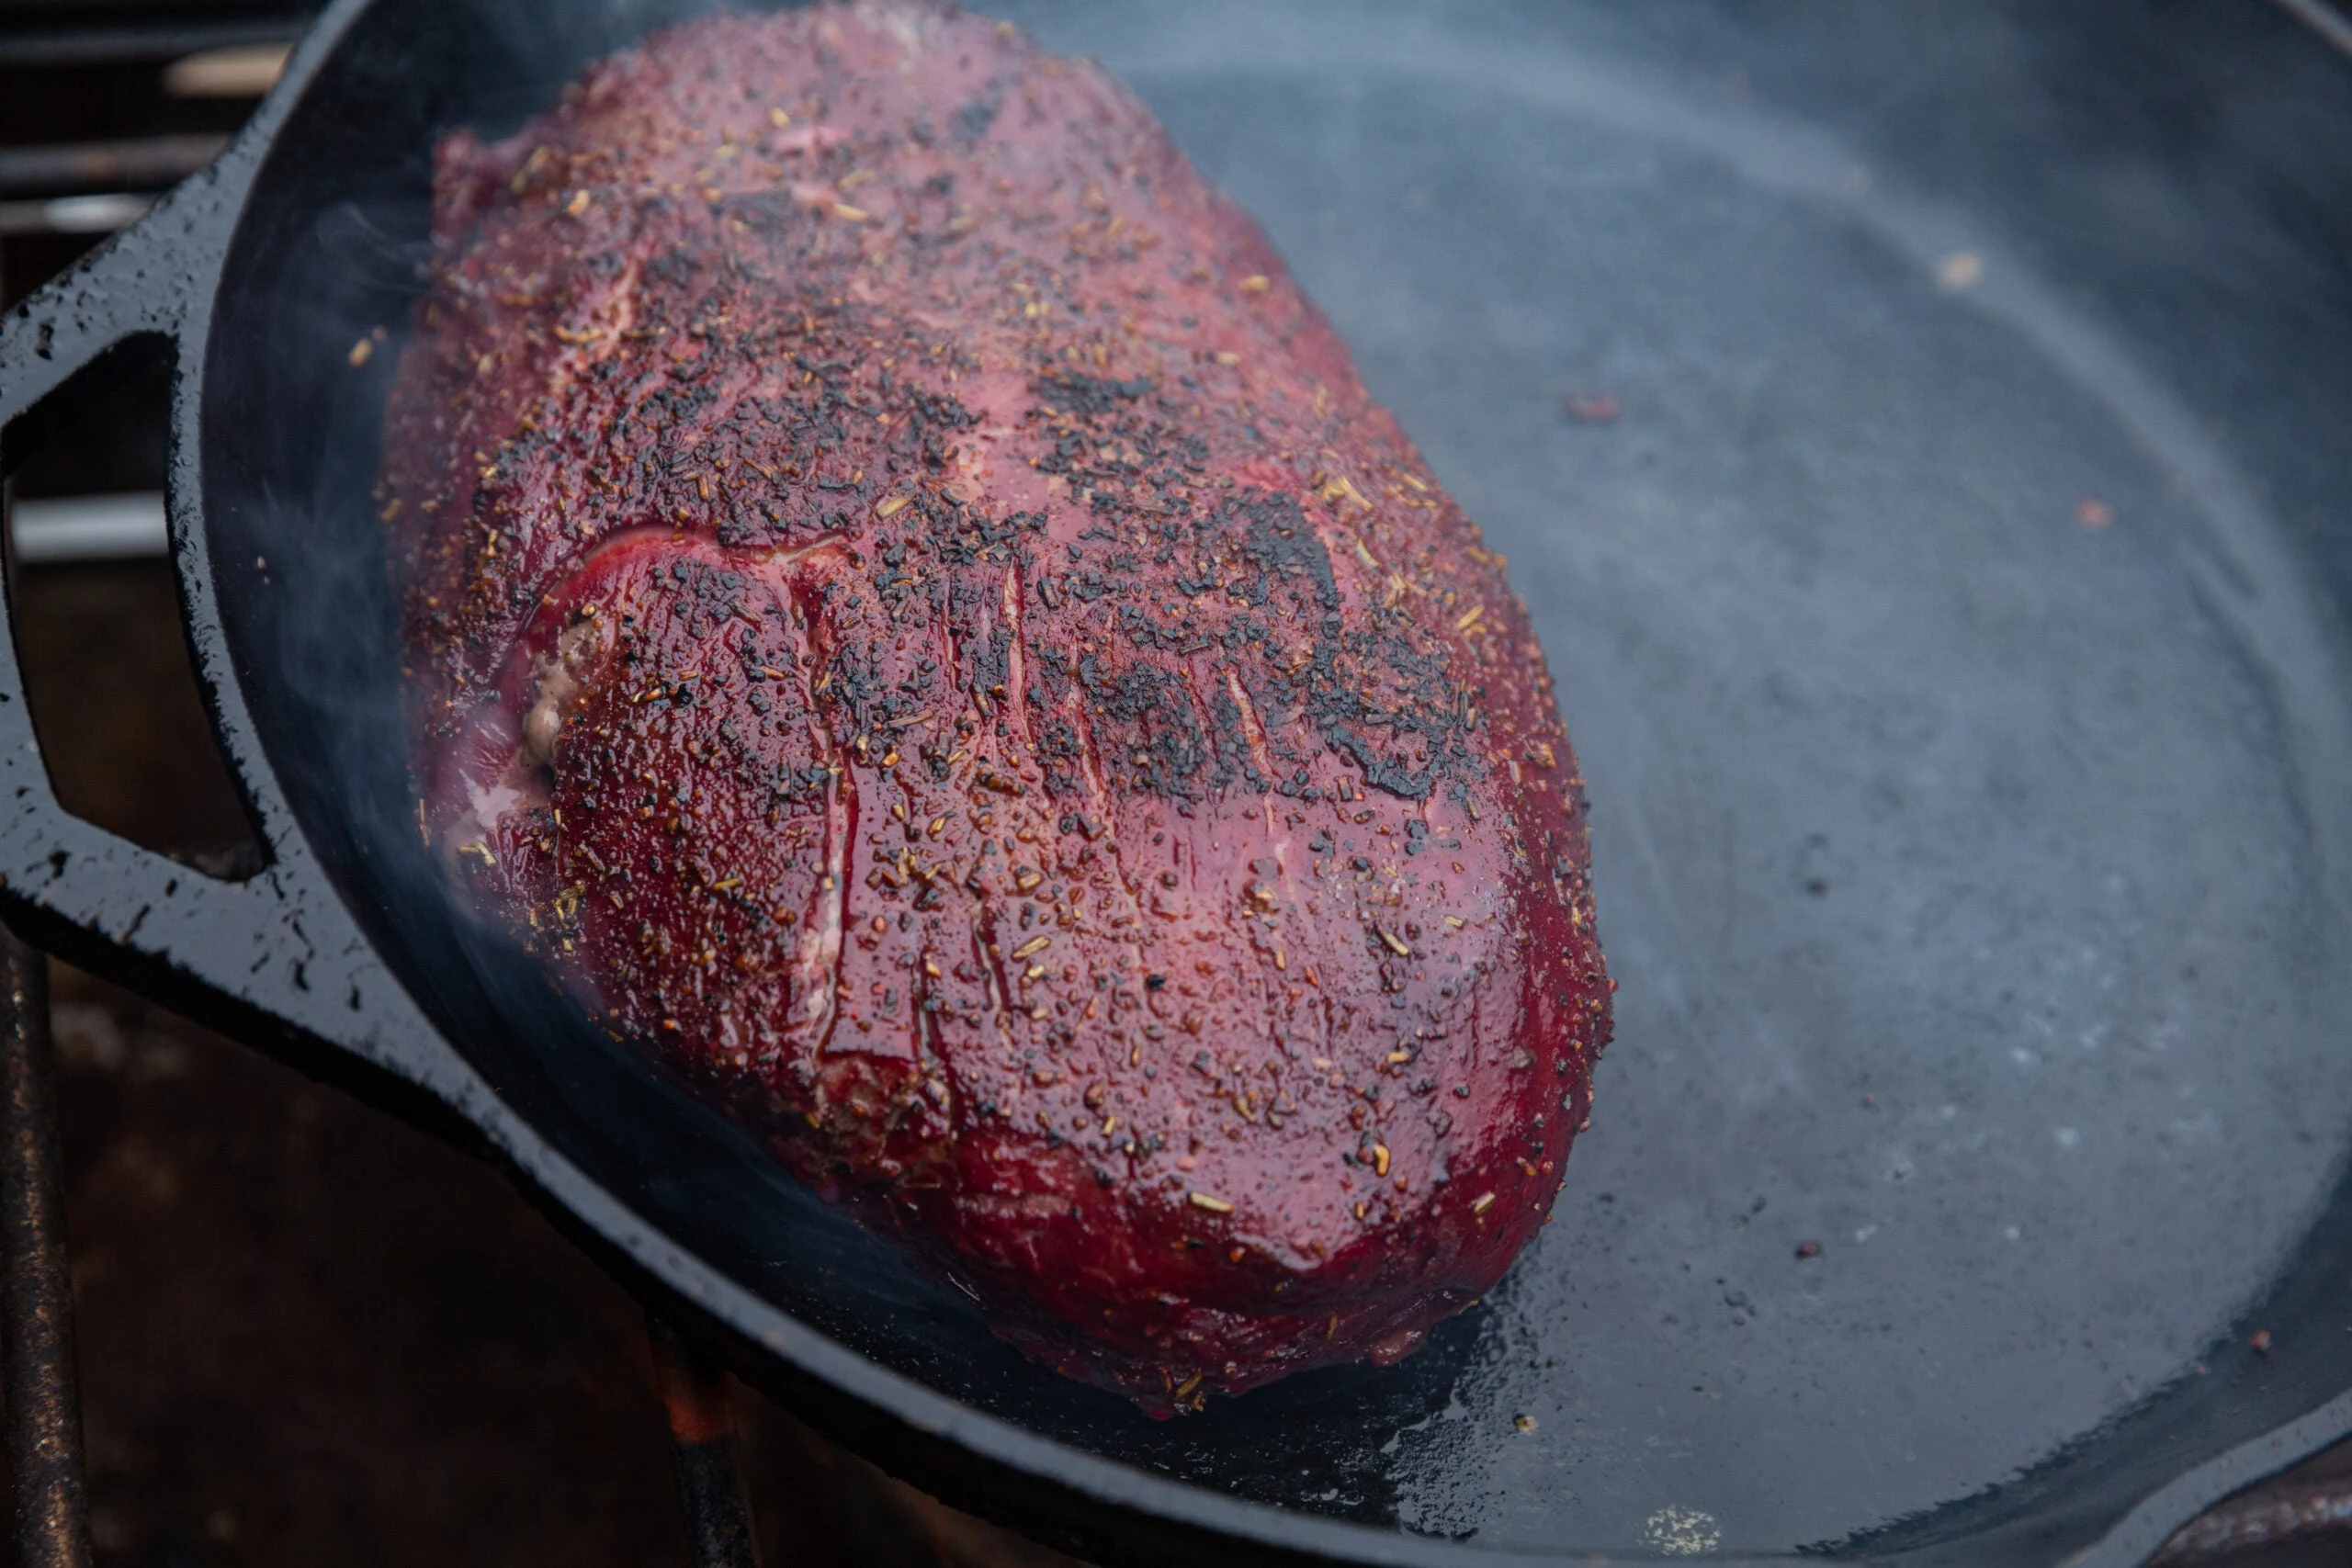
(1949, 618)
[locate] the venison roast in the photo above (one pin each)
(913, 616)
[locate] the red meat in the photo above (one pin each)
(915, 616)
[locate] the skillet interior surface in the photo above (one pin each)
(1975, 874)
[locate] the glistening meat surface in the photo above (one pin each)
(914, 616)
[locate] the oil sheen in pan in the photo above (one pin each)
(1958, 855)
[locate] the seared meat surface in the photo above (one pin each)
(913, 615)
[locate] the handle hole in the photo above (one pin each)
(114, 703)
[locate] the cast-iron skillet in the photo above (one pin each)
(1947, 615)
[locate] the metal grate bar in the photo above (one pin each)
(702, 1448)
(44, 1415)
(144, 163)
(89, 527)
(90, 42)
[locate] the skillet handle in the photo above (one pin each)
(278, 956)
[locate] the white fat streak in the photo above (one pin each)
(821, 940)
(1016, 680)
(1251, 728)
(487, 806)
(903, 23)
